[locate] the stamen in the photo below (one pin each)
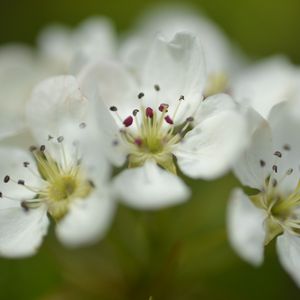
(289, 171)
(149, 112)
(26, 164)
(42, 148)
(141, 95)
(157, 87)
(113, 108)
(21, 182)
(278, 154)
(138, 142)
(82, 125)
(169, 120)
(287, 147)
(32, 148)
(50, 137)
(181, 98)
(6, 179)
(163, 107)
(135, 112)
(275, 168)
(128, 121)
(262, 163)
(60, 139)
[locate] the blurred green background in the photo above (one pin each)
(177, 253)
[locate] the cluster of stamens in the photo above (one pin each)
(152, 134)
(282, 210)
(60, 181)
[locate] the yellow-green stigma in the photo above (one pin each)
(153, 136)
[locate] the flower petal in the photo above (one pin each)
(288, 247)
(22, 232)
(245, 228)
(56, 104)
(177, 66)
(255, 163)
(211, 148)
(150, 187)
(87, 220)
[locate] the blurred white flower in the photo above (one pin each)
(271, 168)
(222, 58)
(266, 83)
(19, 72)
(66, 50)
(66, 177)
(161, 117)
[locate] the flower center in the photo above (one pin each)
(151, 134)
(61, 181)
(282, 209)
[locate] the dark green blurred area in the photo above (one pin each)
(177, 253)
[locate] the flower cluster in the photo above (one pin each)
(105, 124)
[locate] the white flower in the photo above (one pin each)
(19, 72)
(265, 84)
(271, 168)
(161, 117)
(221, 57)
(66, 177)
(67, 50)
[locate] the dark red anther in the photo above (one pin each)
(149, 112)
(128, 121)
(138, 142)
(163, 107)
(169, 120)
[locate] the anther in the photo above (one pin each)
(50, 137)
(163, 107)
(1, 195)
(181, 98)
(190, 119)
(6, 179)
(60, 139)
(128, 121)
(275, 168)
(21, 182)
(115, 142)
(169, 120)
(91, 183)
(135, 112)
(26, 164)
(157, 87)
(24, 205)
(149, 112)
(138, 142)
(32, 148)
(274, 182)
(287, 147)
(289, 171)
(262, 163)
(42, 148)
(141, 95)
(278, 153)
(113, 108)
(82, 125)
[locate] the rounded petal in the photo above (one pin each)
(87, 220)
(22, 232)
(245, 224)
(150, 187)
(265, 84)
(254, 165)
(177, 66)
(211, 148)
(288, 248)
(114, 84)
(56, 103)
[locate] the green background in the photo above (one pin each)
(176, 253)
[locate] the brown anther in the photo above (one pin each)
(262, 163)
(287, 147)
(26, 164)
(157, 87)
(113, 108)
(60, 139)
(6, 179)
(24, 205)
(42, 148)
(82, 125)
(278, 153)
(275, 168)
(21, 182)
(141, 95)
(135, 112)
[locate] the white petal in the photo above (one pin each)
(245, 225)
(21, 232)
(115, 85)
(56, 103)
(87, 220)
(150, 187)
(18, 74)
(248, 167)
(214, 104)
(288, 247)
(177, 66)
(211, 148)
(265, 84)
